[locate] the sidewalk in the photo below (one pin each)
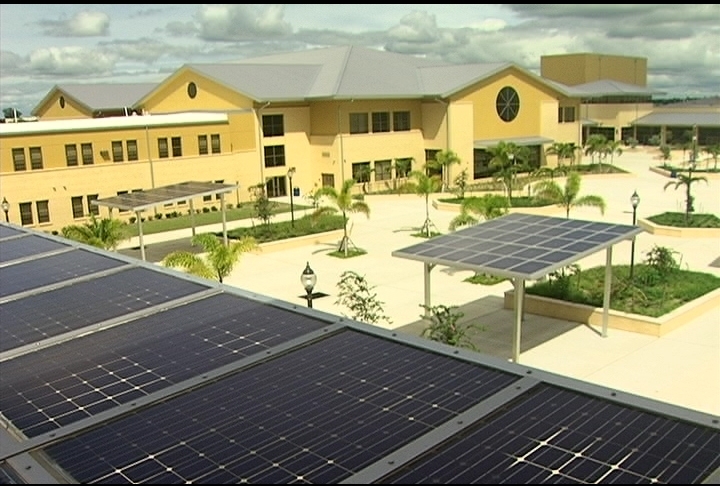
(682, 367)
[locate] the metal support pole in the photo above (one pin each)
(292, 207)
(224, 219)
(192, 217)
(632, 246)
(309, 298)
(427, 268)
(140, 235)
(606, 293)
(517, 329)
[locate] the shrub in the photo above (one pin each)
(132, 220)
(444, 326)
(206, 209)
(359, 296)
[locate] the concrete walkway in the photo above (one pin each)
(682, 367)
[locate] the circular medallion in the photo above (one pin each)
(507, 104)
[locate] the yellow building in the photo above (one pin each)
(329, 113)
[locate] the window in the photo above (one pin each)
(215, 143)
(507, 104)
(117, 151)
(361, 171)
(19, 159)
(328, 180)
(481, 164)
(43, 211)
(276, 186)
(36, 160)
(163, 148)
(383, 170)
(219, 196)
(77, 207)
(566, 114)
(401, 121)
(26, 216)
(71, 154)
(92, 208)
(381, 122)
(359, 123)
(202, 145)
(120, 193)
(87, 153)
(403, 167)
(132, 150)
(192, 90)
(275, 156)
(177, 147)
(273, 126)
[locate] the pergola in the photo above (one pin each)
(184, 191)
(521, 247)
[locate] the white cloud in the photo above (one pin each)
(241, 22)
(70, 61)
(82, 24)
(489, 25)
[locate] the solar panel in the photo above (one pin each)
(315, 415)
(84, 376)
(81, 304)
(554, 435)
(25, 246)
(166, 194)
(519, 245)
(6, 231)
(53, 269)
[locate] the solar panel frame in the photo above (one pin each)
(146, 199)
(29, 246)
(556, 242)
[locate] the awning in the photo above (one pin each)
(521, 141)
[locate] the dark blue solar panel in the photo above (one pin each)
(505, 263)
(6, 231)
(560, 436)
(529, 267)
(556, 256)
(82, 377)
(43, 315)
(601, 237)
(27, 246)
(316, 415)
(579, 246)
(52, 269)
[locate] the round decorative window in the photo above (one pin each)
(507, 104)
(62, 102)
(192, 90)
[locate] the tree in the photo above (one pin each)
(507, 160)
(444, 326)
(687, 181)
(567, 197)
(358, 295)
(443, 160)
(403, 167)
(264, 207)
(665, 154)
(219, 260)
(595, 144)
(424, 185)
(461, 182)
(343, 202)
(362, 175)
(613, 148)
(563, 150)
(489, 206)
(104, 233)
(714, 152)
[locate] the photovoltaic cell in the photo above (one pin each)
(316, 415)
(27, 246)
(6, 231)
(553, 435)
(84, 376)
(53, 269)
(543, 243)
(43, 315)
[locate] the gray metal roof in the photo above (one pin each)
(522, 141)
(103, 96)
(607, 87)
(140, 200)
(687, 119)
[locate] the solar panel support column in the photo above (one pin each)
(224, 219)
(606, 293)
(519, 299)
(140, 235)
(192, 217)
(428, 267)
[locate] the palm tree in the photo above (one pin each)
(443, 160)
(424, 185)
(104, 233)
(714, 152)
(613, 148)
(563, 150)
(595, 144)
(402, 167)
(687, 181)
(567, 197)
(219, 260)
(489, 206)
(507, 160)
(343, 202)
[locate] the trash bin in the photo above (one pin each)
(673, 174)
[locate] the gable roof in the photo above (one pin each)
(608, 87)
(100, 96)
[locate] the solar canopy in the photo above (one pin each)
(197, 382)
(184, 191)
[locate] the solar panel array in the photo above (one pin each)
(519, 245)
(118, 371)
(164, 195)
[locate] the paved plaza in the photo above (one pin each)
(682, 367)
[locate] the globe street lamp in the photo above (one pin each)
(634, 200)
(6, 207)
(308, 279)
(290, 174)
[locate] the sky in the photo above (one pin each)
(43, 45)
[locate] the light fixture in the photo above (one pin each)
(290, 174)
(6, 208)
(308, 280)
(635, 201)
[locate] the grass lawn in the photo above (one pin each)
(517, 202)
(677, 220)
(243, 211)
(650, 294)
(352, 252)
(281, 230)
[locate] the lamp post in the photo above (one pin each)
(290, 174)
(5, 207)
(308, 279)
(634, 200)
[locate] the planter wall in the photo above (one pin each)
(288, 243)
(660, 230)
(585, 314)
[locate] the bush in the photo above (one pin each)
(306, 225)
(359, 296)
(444, 326)
(206, 209)
(132, 220)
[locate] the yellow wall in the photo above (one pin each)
(51, 109)
(617, 114)
(574, 69)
